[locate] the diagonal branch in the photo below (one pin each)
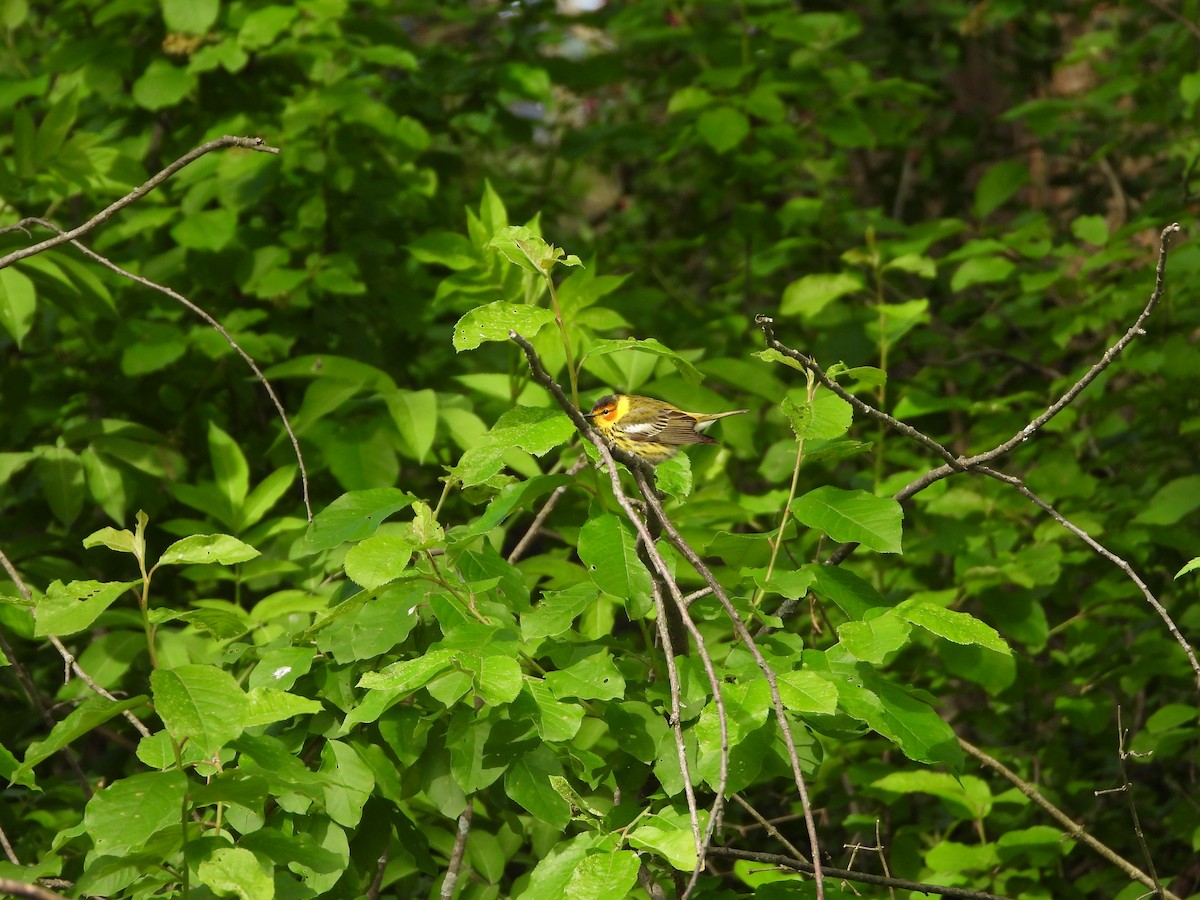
(216, 326)
(133, 196)
(608, 454)
(1072, 828)
(799, 865)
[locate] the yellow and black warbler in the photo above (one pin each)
(649, 428)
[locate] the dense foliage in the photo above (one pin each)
(953, 208)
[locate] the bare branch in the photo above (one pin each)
(14, 888)
(535, 527)
(133, 196)
(608, 454)
(30, 686)
(216, 326)
(1073, 828)
(799, 865)
(456, 855)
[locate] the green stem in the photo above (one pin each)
(787, 506)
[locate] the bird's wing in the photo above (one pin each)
(669, 426)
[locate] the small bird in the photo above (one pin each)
(649, 428)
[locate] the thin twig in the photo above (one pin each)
(664, 577)
(456, 855)
(133, 196)
(1073, 829)
(1135, 330)
(216, 326)
(16, 888)
(799, 865)
(30, 686)
(535, 527)
(1127, 789)
(608, 454)
(1019, 486)
(766, 824)
(979, 461)
(740, 629)
(73, 665)
(8, 849)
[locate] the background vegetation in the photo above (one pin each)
(965, 197)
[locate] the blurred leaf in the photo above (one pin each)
(809, 295)
(18, 300)
(190, 16)
(723, 128)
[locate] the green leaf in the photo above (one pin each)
(722, 128)
(874, 640)
(891, 711)
(266, 494)
(18, 301)
(105, 482)
(190, 16)
(207, 548)
(408, 675)
(61, 474)
(690, 97)
(690, 373)
(852, 595)
(445, 248)
(809, 295)
(608, 549)
(125, 815)
(852, 516)
(1191, 566)
(122, 541)
(348, 785)
(533, 429)
(200, 704)
(913, 264)
(556, 722)
(1170, 503)
(981, 270)
(498, 680)
(959, 627)
(602, 875)
(826, 418)
(85, 718)
(236, 872)
(494, 321)
(669, 834)
(353, 517)
(674, 476)
(377, 560)
(998, 184)
(518, 244)
(807, 692)
(594, 677)
(67, 609)
(265, 705)
(161, 85)
(263, 26)
(556, 868)
(56, 126)
(969, 797)
(229, 467)
(1091, 230)
(415, 416)
(209, 229)
(556, 610)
